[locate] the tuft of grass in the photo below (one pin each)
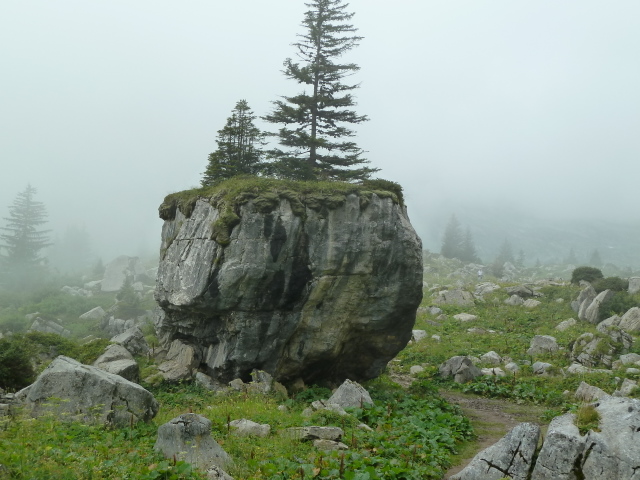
(587, 418)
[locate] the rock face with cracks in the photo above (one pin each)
(317, 291)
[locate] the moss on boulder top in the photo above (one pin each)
(266, 194)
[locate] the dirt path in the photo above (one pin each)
(491, 420)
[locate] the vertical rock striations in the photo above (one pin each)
(318, 288)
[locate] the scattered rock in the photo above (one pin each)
(247, 428)
(181, 362)
(634, 285)
(418, 335)
(188, 438)
(630, 321)
(589, 393)
(626, 388)
(542, 344)
(350, 394)
(96, 313)
(454, 297)
(331, 407)
(512, 367)
(514, 300)
(460, 368)
(117, 360)
(584, 299)
(87, 392)
(566, 324)
(493, 372)
(314, 433)
(118, 270)
(415, 369)
(465, 317)
(492, 358)
(133, 340)
(49, 326)
(531, 303)
(541, 368)
(592, 312)
(329, 445)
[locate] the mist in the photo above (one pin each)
(511, 115)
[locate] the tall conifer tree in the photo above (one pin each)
(314, 136)
(239, 150)
(23, 240)
(452, 239)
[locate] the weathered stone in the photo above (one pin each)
(522, 291)
(541, 368)
(626, 388)
(435, 311)
(634, 285)
(629, 358)
(350, 394)
(592, 312)
(258, 298)
(415, 369)
(460, 368)
(511, 456)
(589, 393)
(465, 317)
(492, 358)
(133, 340)
(331, 407)
(216, 473)
(117, 360)
(512, 367)
(514, 300)
(493, 372)
(485, 288)
(630, 321)
(329, 445)
(531, 303)
(314, 433)
(562, 448)
(584, 299)
(89, 394)
(577, 368)
(181, 361)
(454, 297)
(566, 324)
(591, 350)
(238, 385)
(261, 382)
(623, 340)
(188, 438)
(93, 314)
(418, 335)
(542, 344)
(49, 326)
(247, 428)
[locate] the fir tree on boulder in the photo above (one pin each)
(314, 140)
(239, 150)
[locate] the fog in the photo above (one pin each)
(529, 109)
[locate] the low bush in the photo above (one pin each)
(615, 284)
(16, 371)
(588, 274)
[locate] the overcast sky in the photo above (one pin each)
(107, 106)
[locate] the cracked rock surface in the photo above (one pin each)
(328, 295)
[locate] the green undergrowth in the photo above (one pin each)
(266, 194)
(508, 330)
(414, 436)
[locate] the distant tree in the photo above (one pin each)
(595, 260)
(571, 258)
(313, 138)
(24, 241)
(506, 252)
(520, 259)
(452, 240)
(588, 274)
(468, 252)
(239, 150)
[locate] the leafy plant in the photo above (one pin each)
(588, 274)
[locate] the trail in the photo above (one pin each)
(491, 420)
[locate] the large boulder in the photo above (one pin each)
(322, 287)
(49, 326)
(511, 457)
(88, 394)
(96, 313)
(630, 321)
(542, 344)
(634, 285)
(586, 296)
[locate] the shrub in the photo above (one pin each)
(588, 274)
(615, 284)
(16, 371)
(587, 418)
(618, 304)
